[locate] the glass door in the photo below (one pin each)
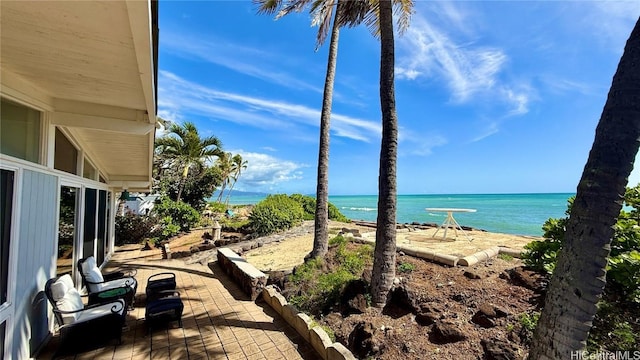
(67, 229)
(7, 187)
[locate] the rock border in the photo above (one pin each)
(302, 323)
(251, 280)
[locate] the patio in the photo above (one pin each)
(219, 320)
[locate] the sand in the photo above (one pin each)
(286, 254)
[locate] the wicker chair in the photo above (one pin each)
(83, 326)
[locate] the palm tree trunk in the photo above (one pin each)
(579, 276)
(321, 219)
(183, 180)
(233, 183)
(385, 251)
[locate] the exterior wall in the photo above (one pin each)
(36, 254)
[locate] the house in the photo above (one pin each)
(78, 119)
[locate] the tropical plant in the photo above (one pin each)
(238, 166)
(199, 185)
(183, 147)
(181, 214)
(275, 213)
(224, 163)
(579, 277)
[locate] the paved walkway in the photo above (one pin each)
(219, 320)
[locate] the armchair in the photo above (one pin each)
(97, 283)
(86, 325)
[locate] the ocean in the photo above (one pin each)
(521, 214)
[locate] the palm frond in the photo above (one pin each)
(267, 7)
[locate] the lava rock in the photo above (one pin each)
(495, 349)
(445, 332)
(429, 313)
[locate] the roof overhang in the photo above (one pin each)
(92, 64)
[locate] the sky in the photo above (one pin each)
(491, 96)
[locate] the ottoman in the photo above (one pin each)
(166, 307)
(163, 301)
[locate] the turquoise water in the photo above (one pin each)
(521, 214)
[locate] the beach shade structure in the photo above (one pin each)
(104, 288)
(83, 327)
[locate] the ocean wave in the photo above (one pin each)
(358, 208)
(432, 214)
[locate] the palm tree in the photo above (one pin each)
(348, 13)
(385, 251)
(322, 11)
(579, 276)
(186, 148)
(238, 166)
(225, 164)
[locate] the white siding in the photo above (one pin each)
(36, 256)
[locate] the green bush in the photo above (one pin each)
(308, 204)
(235, 225)
(181, 214)
(406, 267)
(133, 229)
(217, 207)
(275, 213)
(320, 289)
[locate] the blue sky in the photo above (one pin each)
(492, 96)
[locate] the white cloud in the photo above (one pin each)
(184, 96)
(265, 172)
(491, 129)
(430, 52)
(239, 58)
(614, 19)
(420, 144)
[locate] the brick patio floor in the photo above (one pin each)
(219, 320)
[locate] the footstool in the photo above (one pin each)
(166, 307)
(163, 301)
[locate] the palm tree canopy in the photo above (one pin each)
(183, 143)
(350, 13)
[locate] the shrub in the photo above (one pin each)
(406, 267)
(133, 229)
(235, 225)
(275, 213)
(308, 204)
(320, 289)
(181, 214)
(217, 207)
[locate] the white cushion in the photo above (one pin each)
(71, 301)
(92, 274)
(60, 287)
(102, 310)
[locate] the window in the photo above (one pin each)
(66, 155)
(6, 211)
(66, 229)
(90, 201)
(19, 131)
(102, 226)
(89, 172)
